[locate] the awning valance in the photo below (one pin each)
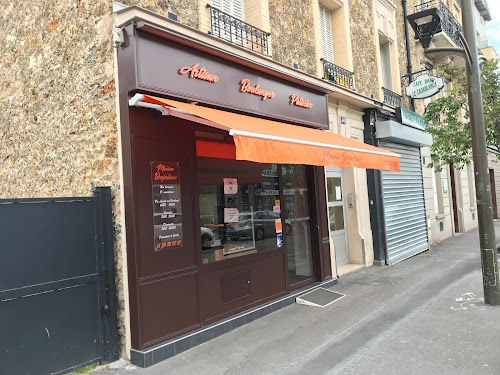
(266, 141)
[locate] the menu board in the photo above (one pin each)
(167, 208)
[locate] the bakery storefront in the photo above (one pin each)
(224, 188)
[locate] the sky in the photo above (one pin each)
(493, 26)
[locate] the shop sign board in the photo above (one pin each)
(172, 69)
(167, 207)
(407, 117)
(424, 86)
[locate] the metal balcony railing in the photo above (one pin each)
(391, 98)
(234, 30)
(448, 22)
(338, 75)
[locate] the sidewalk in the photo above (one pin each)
(423, 315)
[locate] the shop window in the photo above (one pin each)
(241, 212)
(239, 208)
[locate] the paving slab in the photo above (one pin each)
(402, 319)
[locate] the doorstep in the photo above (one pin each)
(348, 268)
(148, 357)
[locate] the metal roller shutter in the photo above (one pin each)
(404, 205)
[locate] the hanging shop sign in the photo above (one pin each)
(406, 117)
(424, 86)
(167, 209)
(172, 69)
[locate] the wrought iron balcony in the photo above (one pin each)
(338, 75)
(234, 30)
(391, 98)
(448, 22)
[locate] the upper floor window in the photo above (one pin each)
(386, 65)
(326, 33)
(232, 7)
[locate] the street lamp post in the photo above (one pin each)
(491, 282)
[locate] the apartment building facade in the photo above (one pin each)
(95, 95)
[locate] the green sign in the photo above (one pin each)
(410, 118)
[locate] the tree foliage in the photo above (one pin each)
(448, 116)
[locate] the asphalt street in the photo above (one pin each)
(424, 315)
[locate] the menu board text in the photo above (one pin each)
(167, 208)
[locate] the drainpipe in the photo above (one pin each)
(408, 51)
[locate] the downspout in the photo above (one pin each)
(409, 67)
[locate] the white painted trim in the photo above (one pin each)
(234, 132)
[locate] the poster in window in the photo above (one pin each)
(167, 205)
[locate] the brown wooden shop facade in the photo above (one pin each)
(209, 236)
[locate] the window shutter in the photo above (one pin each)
(326, 33)
(386, 65)
(232, 7)
(237, 9)
(217, 4)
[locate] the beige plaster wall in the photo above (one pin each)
(468, 206)
(359, 234)
(58, 127)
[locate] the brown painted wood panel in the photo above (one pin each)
(267, 281)
(168, 307)
(166, 279)
(235, 286)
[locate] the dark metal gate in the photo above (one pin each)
(57, 288)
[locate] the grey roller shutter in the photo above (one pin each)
(404, 205)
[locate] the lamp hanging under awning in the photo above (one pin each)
(266, 141)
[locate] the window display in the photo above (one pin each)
(239, 208)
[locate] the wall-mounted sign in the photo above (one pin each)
(167, 68)
(406, 117)
(300, 102)
(425, 86)
(167, 208)
(255, 90)
(202, 73)
(342, 120)
(231, 215)
(444, 184)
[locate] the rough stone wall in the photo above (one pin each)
(58, 131)
(186, 10)
(364, 48)
(401, 46)
(292, 33)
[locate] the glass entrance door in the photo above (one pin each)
(297, 223)
(334, 186)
